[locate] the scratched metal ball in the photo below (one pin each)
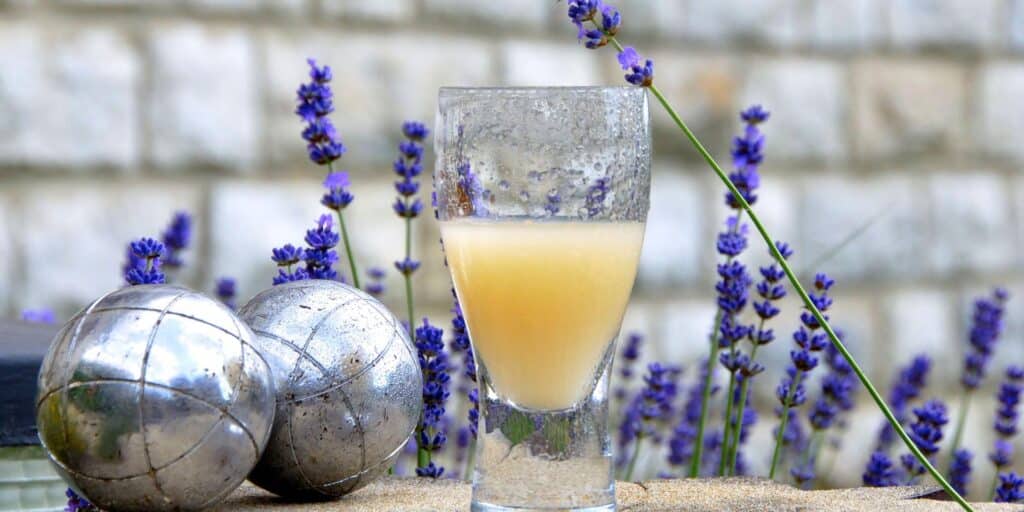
(348, 387)
(153, 398)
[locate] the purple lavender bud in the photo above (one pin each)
(640, 72)
(38, 316)
(226, 291)
(1002, 454)
(960, 471)
(176, 238)
(77, 503)
(879, 471)
(144, 262)
(407, 266)
(337, 196)
(376, 285)
(415, 130)
(287, 255)
(1009, 488)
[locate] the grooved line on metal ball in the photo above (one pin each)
(190, 317)
(293, 378)
(367, 367)
(142, 396)
(66, 378)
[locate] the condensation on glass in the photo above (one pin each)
(542, 195)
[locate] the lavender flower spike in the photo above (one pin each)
(926, 433)
(1006, 422)
(316, 101)
(986, 327)
(434, 365)
(176, 238)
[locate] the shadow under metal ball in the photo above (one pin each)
(349, 387)
(154, 399)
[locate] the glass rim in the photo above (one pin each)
(535, 88)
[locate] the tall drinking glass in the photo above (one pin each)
(542, 196)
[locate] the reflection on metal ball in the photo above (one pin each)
(153, 398)
(348, 387)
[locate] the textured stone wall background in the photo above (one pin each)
(902, 114)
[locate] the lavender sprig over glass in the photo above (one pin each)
(593, 28)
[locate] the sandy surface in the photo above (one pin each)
(732, 494)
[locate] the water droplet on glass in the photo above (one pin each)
(504, 185)
(524, 195)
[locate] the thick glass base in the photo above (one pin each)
(544, 460)
(485, 507)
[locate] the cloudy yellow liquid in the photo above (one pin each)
(542, 300)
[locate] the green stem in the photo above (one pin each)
(698, 443)
(727, 429)
(408, 275)
(836, 342)
(422, 458)
(744, 390)
(965, 404)
(783, 420)
(348, 250)
(995, 485)
(344, 239)
(632, 459)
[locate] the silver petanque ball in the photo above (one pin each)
(348, 387)
(153, 398)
